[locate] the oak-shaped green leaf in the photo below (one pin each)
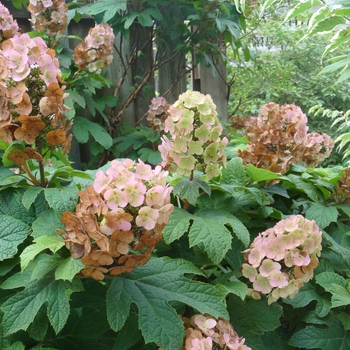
(322, 214)
(151, 288)
(208, 228)
(13, 232)
(62, 199)
(53, 243)
(21, 309)
(189, 189)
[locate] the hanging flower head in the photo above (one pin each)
(8, 25)
(281, 259)
(195, 132)
(119, 218)
(279, 137)
(96, 51)
(49, 17)
(31, 94)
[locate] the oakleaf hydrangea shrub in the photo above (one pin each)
(8, 25)
(157, 113)
(119, 219)
(204, 332)
(96, 51)
(278, 138)
(282, 258)
(32, 97)
(195, 141)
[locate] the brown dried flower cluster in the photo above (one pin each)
(344, 185)
(278, 137)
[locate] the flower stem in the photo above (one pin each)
(32, 178)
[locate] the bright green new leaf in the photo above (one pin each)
(53, 243)
(234, 173)
(62, 199)
(21, 309)
(68, 268)
(30, 195)
(258, 174)
(46, 224)
(327, 24)
(301, 8)
(236, 287)
(13, 232)
(151, 288)
(322, 214)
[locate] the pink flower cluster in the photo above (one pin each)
(96, 51)
(135, 189)
(282, 258)
(22, 53)
(49, 17)
(195, 131)
(157, 113)
(8, 26)
(204, 332)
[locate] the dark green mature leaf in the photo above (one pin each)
(327, 338)
(13, 232)
(253, 315)
(62, 199)
(189, 189)
(342, 252)
(337, 286)
(151, 287)
(83, 127)
(177, 226)
(21, 309)
(108, 7)
(322, 214)
(10, 204)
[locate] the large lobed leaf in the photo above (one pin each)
(21, 309)
(208, 228)
(151, 287)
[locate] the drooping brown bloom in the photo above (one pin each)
(30, 129)
(56, 137)
(18, 157)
